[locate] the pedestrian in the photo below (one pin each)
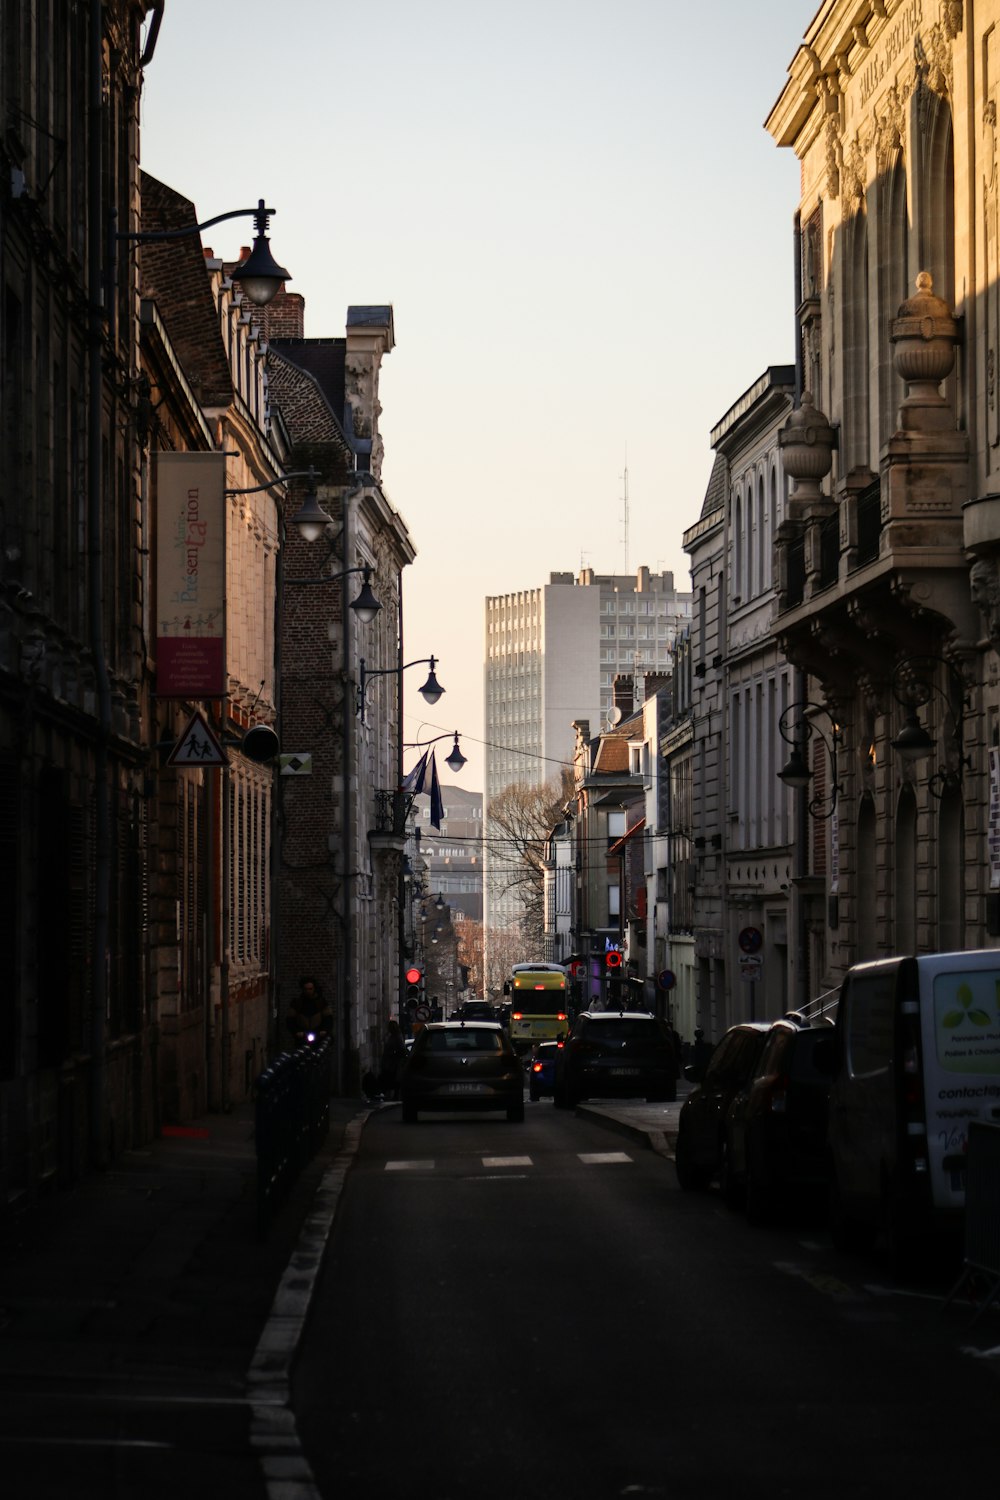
(309, 1016)
(393, 1057)
(701, 1051)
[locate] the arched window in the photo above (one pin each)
(738, 549)
(894, 286)
(857, 452)
(761, 580)
(905, 885)
(951, 872)
(866, 924)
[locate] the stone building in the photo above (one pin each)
(341, 814)
(887, 555)
(75, 1004)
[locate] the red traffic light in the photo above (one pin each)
(413, 976)
(612, 960)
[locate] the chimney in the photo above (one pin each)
(284, 317)
(623, 693)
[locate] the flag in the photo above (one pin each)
(414, 782)
(437, 804)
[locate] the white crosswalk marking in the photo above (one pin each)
(409, 1166)
(507, 1161)
(598, 1158)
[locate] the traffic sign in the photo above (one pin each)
(751, 965)
(422, 1013)
(197, 746)
(666, 979)
(751, 940)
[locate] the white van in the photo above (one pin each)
(917, 1059)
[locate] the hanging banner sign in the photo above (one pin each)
(190, 575)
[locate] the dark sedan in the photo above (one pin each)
(616, 1055)
(464, 1065)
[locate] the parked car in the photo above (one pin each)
(615, 1054)
(465, 1065)
(917, 1060)
(777, 1150)
(542, 1069)
(701, 1153)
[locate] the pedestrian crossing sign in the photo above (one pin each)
(197, 746)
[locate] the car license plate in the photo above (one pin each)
(624, 1072)
(467, 1088)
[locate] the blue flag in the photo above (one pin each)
(414, 782)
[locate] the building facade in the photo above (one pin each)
(552, 655)
(887, 557)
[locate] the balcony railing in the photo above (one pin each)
(391, 812)
(829, 551)
(869, 503)
(796, 561)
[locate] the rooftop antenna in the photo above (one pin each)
(625, 508)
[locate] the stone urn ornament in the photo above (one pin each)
(924, 334)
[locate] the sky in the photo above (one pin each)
(583, 228)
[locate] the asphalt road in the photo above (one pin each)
(538, 1310)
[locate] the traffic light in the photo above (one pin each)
(414, 979)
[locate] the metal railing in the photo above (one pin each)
(291, 1121)
(869, 517)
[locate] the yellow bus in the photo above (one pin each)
(539, 996)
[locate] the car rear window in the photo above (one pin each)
(623, 1031)
(467, 1039)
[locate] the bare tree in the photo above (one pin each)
(520, 819)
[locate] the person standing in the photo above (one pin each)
(393, 1058)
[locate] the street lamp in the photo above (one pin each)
(455, 759)
(259, 276)
(366, 606)
(796, 727)
(914, 685)
(430, 692)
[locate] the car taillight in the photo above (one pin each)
(517, 1016)
(536, 1067)
(562, 1016)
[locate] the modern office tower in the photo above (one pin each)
(551, 658)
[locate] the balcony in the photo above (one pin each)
(392, 810)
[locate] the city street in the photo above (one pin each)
(540, 1310)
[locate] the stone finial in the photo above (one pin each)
(924, 333)
(807, 442)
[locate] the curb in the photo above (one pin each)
(662, 1142)
(273, 1434)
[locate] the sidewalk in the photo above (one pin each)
(652, 1125)
(136, 1301)
(146, 1332)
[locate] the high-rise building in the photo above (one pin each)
(551, 657)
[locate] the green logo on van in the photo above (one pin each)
(975, 1014)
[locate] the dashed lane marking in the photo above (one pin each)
(493, 1163)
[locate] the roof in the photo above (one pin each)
(174, 276)
(620, 843)
(718, 487)
(323, 360)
